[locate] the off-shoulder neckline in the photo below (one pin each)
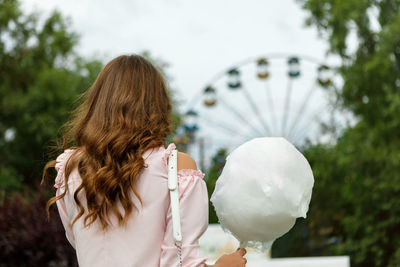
(181, 172)
(147, 154)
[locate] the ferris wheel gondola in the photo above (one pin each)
(251, 100)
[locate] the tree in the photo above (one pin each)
(41, 77)
(355, 208)
(218, 163)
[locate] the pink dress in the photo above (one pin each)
(147, 239)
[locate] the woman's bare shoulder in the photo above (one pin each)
(186, 162)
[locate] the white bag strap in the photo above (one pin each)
(174, 196)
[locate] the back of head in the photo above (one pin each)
(129, 97)
(124, 113)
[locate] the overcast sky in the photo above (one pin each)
(197, 38)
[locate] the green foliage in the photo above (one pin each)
(295, 243)
(218, 163)
(371, 73)
(356, 198)
(10, 179)
(41, 77)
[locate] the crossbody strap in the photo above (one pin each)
(174, 197)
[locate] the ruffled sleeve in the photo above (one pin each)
(60, 185)
(167, 153)
(193, 207)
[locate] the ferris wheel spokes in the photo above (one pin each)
(239, 115)
(233, 138)
(302, 109)
(293, 73)
(270, 105)
(226, 127)
(306, 128)
(256, 111)
(287, 105)
(233, 118)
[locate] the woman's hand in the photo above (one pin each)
(232, 260)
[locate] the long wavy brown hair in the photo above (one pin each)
(124, 113)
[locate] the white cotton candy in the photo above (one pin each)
(265, 185)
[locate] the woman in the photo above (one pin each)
(112, 193)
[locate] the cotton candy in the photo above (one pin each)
(265, 185)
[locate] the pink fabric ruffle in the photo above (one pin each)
(60, 166)
(184, 173)
(167, 153)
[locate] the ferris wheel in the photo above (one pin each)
(271, 95)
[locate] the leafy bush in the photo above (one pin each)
(27, 238)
